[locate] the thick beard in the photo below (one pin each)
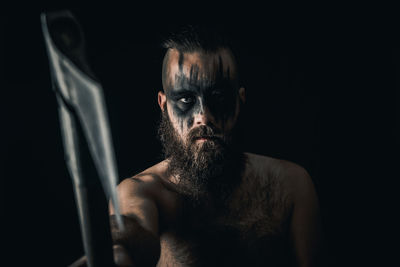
(208, 171)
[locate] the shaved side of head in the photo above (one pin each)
(209, 46)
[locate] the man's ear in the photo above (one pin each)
(242, 94)
(162, 100)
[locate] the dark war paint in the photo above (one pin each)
(194, 93)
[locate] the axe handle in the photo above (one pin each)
(93, 217)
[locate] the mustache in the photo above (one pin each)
(204, 131)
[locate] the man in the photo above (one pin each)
(208, 203)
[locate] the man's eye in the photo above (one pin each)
(186, 100)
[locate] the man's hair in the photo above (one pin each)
(192, 38)
(197, 38)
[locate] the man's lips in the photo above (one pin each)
(205, 138)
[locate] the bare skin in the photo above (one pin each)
(274, 212)
(270, 217)
(276, 203)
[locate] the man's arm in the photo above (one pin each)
(139, 243)
(306, 229)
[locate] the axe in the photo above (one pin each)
(82, 115)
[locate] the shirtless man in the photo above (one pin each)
(208, 203)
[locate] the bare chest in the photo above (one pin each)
(250, 231)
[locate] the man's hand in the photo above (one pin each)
(138, 244)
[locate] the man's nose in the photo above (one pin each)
(204, 117)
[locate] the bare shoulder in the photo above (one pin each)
(149, 182)
(149, 177)
(291, 176)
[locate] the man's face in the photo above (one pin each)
(200, 90)
(198, 127)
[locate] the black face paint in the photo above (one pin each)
(180, 62)
(191, 95)
(212, 170)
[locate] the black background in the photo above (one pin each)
(320, 92)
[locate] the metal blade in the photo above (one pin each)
(81, 100)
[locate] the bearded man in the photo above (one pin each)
(209, 203)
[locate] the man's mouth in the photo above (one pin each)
(205, 138)
(202, 138)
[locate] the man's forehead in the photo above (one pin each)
(198, 66)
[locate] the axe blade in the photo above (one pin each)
(81, 101)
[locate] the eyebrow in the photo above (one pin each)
(186, 85)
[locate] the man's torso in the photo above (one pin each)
(250, 229)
